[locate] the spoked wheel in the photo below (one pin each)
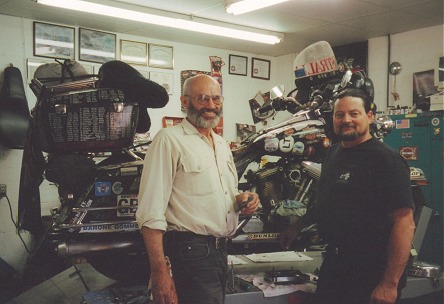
(122, 266)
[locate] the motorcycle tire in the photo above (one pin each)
(122, 266)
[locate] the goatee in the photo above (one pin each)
(196, 117)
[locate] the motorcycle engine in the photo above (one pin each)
(285, 189)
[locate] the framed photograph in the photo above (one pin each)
(164, 79)
(133, 52)
(260, 68)
(54, 41)
(95, 46)
(160, 56)
(238, 65)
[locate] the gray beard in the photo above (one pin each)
(195, 117)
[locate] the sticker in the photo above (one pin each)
(109, 228)
(117, 188)
(326, 142)
(407, 136)
(128, 202)
(402, 123)
(436, 131)
(409, 153)
(262, 236)
(271, 144)
(298, 148)
(102, 188)
(135, 185)
(435, 121)
(289, 132)
(286, 144)
(128, 171)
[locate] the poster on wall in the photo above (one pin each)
(423, 86)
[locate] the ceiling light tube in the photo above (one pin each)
(245, 6)
(105, 10)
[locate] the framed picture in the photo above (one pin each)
(164, 79)
(133, 52)
(260, 68)
(160, 56)
(95, 46)
(53, 41)
(238, 65)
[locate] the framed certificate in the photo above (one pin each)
(260, 68)
(164, 79)
(160, 56)
(53, 41)
(133, 52)
(96, 46)
(238, 65)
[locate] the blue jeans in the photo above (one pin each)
(199, 268)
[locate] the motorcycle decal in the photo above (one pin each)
(80, 215)
(286, 144)
(135, 185)
(102, 188)
(128, 202)
(109, 228)
(117, 187)
(409, 153)
(271, 144)
(128, 171)
(406, 136)
(298, 148)
(262, 236)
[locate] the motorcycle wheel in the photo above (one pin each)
(122, 266)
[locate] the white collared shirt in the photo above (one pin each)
(186, 185)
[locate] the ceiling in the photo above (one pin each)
(301, 21)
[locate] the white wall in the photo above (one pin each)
(416, 50)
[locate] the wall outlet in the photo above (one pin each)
(2, 190)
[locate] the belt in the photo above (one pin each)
(184, 236)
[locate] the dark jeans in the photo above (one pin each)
(349, 280)
(199, 267)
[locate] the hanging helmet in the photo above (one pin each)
(313, 66)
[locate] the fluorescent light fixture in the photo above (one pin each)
(105, 10)
(245, 6)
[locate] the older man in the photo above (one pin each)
(189, 189)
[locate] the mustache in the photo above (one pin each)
(347, 126)
(201, 111)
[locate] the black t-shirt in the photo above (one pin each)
(358, 188)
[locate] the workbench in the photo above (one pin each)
(242, 292)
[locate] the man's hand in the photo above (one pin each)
(247, 202)
(384, 294)
(162, 286)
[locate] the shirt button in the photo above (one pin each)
(226, 192)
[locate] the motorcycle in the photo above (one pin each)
(87, 131)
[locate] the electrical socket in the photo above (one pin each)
(2, 190)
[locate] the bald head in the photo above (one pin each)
(200, 81)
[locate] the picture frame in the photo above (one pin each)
(96, 46)
(260, 68)
(164, 79)
(53, 41)
(238, 65)
(160, 56)
(133, 52)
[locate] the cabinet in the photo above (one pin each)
(419, 139)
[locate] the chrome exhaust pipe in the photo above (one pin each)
(85, 247)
